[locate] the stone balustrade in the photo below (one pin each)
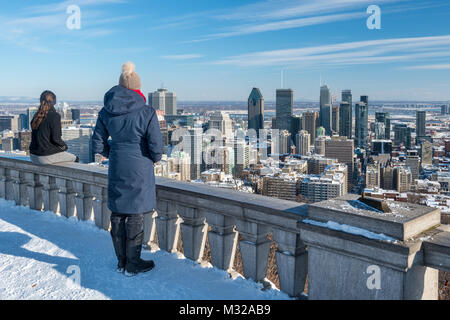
(229, 220)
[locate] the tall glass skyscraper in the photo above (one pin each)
(256, 111)
(385, 118)
(325, 109)
(421, 117)
(346, 120)
(361, 124)
(284, 109)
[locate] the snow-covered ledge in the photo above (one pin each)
(348, 242)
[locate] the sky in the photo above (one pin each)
(219, 50)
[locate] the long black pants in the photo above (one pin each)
(127, 232)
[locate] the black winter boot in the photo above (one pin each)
(135, 237)
(119, 240)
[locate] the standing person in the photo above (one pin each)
(46, 146)
(136, 144)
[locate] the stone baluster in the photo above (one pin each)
(66, 197)
(19, 188)
(192, 232)
(149, 227)
(49, 193)
(83, 201)
(292, 262)
(9, 185)
(34, 190)
(2, 183)
(222, 240)
(254, 248)
(166, 225)
(102, 214)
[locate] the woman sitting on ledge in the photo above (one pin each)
(46, 146)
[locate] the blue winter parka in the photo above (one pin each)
(136, 144)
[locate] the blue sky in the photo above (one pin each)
(219, 50)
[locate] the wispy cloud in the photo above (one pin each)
(183, 57)
(429, 67)
(34, 23)
(348, 53)
(281, 25)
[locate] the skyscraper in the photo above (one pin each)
(256, 111)
(164, 100)
(9, 123)
(325, 108)
(347, 97)
(76, 116)
(361, 124)
(365, 99)
(79, 142)
(402, 135)
(327, 118)
(309, 120)
(421, 117)
(345, 120)
(342, 149)
(335, 119)
(30, 115)
(384, 118)
(284, 109)
(303, 140)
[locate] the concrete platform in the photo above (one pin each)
(404, 222)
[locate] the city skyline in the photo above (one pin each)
(304, 41)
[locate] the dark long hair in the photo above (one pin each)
(48, 100)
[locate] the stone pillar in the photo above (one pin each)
(192, 232)
(83, 201)
(222, 240)
(19, 187)
(166, 225)
(255, 249)
(34, 190)
(344, 266)
(292, 262)
(66, 197)
(102, 214)
(49, 193)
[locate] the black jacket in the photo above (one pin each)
(46, 139)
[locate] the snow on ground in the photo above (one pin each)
(40, 252)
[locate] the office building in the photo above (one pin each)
(76, 116)
(421, 117)
(220, 120)
(342, 149)
(320, 145)
(381, 147)
(335, 120)
(383, 118)
(309, 120)
(325, 109)
(79, 142)
(361, 125)
(346, 120)
(413, 163)
(303, 140)
(9, 122)
(284, 109)
(164, 100)
(256, 111)
(373, 179)
(402, 135)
